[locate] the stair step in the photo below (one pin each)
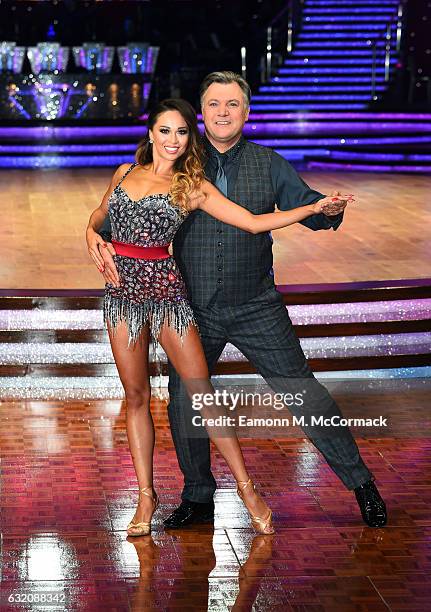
(380, 157)
(70, 149)
(302, 107)
(368, 167)
(309, 27)
(347, 141)
(315, 88)
(296, 96)
(69, 133)
(323, 44)
(367, 116)
(330, 18)
(335, 61)
(351, 53)
(311, 129)
(388, 10)
(42, 356)
(326, 79)
(358, 3)
(348, 36)
(315, 70)
(54, 161)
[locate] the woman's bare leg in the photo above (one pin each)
(132, 365)
(188, 358)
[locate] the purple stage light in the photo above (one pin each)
(367, 52)
(340, 19)
(387, 11)
(408, 122)
(312, 87)
(384, 13)
(320, 71)
(19, 107)
(368, 167)
(300, 154)
(68, 148)
(69, 133)
(45, 160)
(304, 107)
(83, 107)
(336, 43)
(305, 126)
(378, 117)
(365, 156)
(326, 79)
(340, 27)
(315, 62)
(311, 96)
(59, 161)
(348, 35)
(335, 5)
(340, 142)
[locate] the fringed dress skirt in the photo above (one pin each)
(152, 291)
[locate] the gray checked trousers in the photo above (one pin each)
(262, 330)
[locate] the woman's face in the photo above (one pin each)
(170, 136)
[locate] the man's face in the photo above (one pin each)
(224, 113)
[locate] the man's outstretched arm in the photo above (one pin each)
(292, 191)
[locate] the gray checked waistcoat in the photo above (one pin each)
(215, 256)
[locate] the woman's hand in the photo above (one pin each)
(94, 242)
(332, 205)
(102, 254)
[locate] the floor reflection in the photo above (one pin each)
(191, 588)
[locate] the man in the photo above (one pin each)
(230, 283)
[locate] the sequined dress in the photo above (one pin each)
(151, 291)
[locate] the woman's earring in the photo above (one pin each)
(151, 142)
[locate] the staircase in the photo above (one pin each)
(317, 109)
(331, 65)
(53, 344)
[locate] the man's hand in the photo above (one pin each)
(337, 204)
(332, 205)
(102, 254)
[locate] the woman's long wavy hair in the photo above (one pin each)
(188, 169)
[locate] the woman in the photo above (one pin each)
(147, 202)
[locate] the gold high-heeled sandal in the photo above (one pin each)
(144, 528)
(261, 525)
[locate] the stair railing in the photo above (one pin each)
(387, 36)
(280, 36)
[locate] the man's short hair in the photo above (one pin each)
(226, 77)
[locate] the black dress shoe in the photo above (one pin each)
(189, 513)
(372, 506)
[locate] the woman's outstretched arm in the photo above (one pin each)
(216, 205)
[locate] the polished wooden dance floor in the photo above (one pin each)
(385, 235)
(68, 487)
(68, 491)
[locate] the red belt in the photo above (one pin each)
(141, 252)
